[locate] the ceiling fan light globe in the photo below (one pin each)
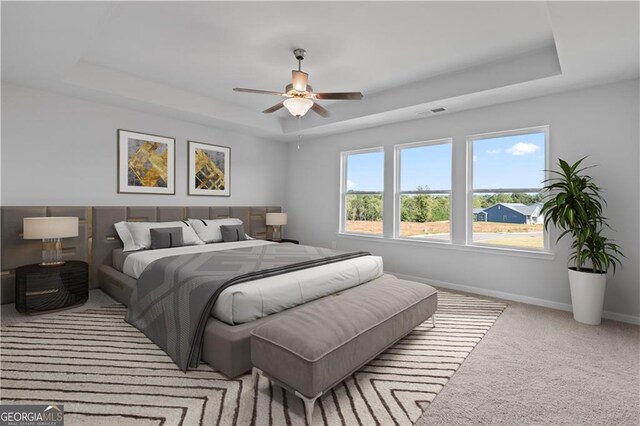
(297, 106)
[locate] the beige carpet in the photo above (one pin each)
(537, 366)
(105, 371)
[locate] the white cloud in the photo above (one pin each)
(494, 151)
(351, 184)
(523, 148)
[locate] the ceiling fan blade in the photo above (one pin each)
(352, 96)
(299, 80)
(320, 110)
(262, 92)
(273, 108)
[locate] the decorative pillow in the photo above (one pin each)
(166, 237)
(137, 235)
(209, 230)
(233, 233)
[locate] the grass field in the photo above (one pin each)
(412, 229)
(408, 229)
(364, 227)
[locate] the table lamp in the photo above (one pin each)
(276, 220)
(50, 230)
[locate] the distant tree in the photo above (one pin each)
(423, 208)
(363, 207)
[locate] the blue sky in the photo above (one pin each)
(509, 162)
(365, 172)
(504, 162)
(426, 166)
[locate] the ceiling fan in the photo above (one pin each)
(300, 96)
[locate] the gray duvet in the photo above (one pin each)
(174, 295)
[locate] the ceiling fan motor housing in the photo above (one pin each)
(293, 92)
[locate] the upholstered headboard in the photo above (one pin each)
(97, 236)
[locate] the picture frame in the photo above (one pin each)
(209, 169)
(146, 163)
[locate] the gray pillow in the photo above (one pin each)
(232, 233)
(166, 237)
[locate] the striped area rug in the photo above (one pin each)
(106, 372)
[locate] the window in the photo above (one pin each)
(362, 191)
(506, 173)
(423, 190)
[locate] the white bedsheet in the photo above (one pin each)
(253, 300)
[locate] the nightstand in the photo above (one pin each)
(286, 240)
(47, 288)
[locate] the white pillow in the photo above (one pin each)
(209, 229)
(137, 235)
(123, 232)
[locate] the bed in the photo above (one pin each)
(240, 308)
(253, 300)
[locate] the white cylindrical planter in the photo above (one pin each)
(587, 295)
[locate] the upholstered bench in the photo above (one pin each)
(317, 346)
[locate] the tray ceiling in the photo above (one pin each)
(183, 58)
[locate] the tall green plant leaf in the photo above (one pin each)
(574, 204)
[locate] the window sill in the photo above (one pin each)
(447, 245)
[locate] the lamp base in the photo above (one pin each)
(51, 252)
(276, 234)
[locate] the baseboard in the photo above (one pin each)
(514, 297)
(621, 317)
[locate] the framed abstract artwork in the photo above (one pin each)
(209, 169)
(146, 163)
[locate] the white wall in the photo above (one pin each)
(59, 150)
(601, 122)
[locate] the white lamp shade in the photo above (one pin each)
(276, 218)
(39, 228)
(298, 106)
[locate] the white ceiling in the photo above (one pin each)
(183, 58)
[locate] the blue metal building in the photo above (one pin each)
(510, 213)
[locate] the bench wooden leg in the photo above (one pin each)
(433, 320)
(309, 404)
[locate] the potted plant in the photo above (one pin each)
(573, 203)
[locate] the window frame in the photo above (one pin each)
(397, 192)
(471, 190)
(342, 229)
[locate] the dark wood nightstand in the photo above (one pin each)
(286, 240)
(47, 288)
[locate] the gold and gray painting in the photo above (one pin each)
(148, 164)
(209, 169)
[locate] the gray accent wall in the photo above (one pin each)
(61, 151)
(600, 121)
(97, 237)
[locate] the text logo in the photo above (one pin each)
(31, 415)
